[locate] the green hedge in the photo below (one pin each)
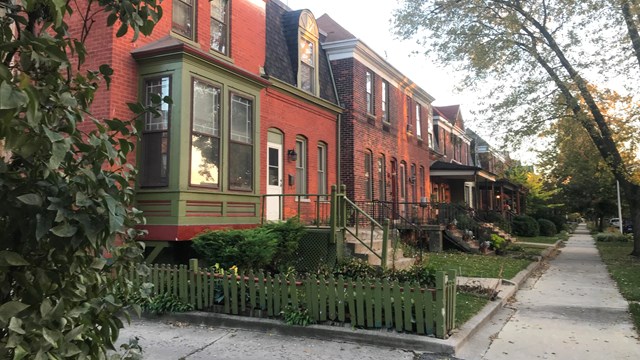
(524, 225)
(270, 247)
(547, 227)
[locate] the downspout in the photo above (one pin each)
(339, 123)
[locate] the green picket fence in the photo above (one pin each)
(405, 307)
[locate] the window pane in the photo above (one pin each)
(306, 52)
(306, 77)
(274, 167)
(322, 175)
(367, 176)
(418, 121)
(155, 159)
(382, 188)
(241, 120)
(158, 87)
(369, 88)
(205, 160)
(301, 167)
(307, 66)
(219, 10)
(183, 17)
(206, 106)
(241, 167)
(384, 101)
(218, 36)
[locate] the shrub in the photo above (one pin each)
(466, 222)
(166, 303)
(288, 235)
(355, 268)
(247, 249)
(612, 237)
(423, 275)
(547, 227)
(497, 242)
(524, 225)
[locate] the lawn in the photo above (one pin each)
(467, 306)
(487, 266)
(625, 270)
(540, 239)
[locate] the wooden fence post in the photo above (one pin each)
(452, 302)
(193, 268)
(440, 305)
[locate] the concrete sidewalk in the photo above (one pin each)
(574, 311)
(197, 335)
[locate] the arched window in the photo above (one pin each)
(382, 178)
(322, 168)
(308, 53)
(368, 176)
(301, 165)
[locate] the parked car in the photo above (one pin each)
(627, 228)
(615, 222)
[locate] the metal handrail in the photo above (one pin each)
(318, 219)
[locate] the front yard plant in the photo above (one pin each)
(66, 186)
(271, 246)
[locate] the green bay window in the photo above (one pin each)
(241, 144)
(154, 168)
(205, 135)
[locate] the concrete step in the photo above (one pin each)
(399, 263)
(357, 247)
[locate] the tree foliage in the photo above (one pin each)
(66, 193)
(538, 52)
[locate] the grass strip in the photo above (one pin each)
(625, 270)
(467, 306)
(539, 239)
(477, 265)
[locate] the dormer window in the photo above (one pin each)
(307, 65)
(308, 53)
(219, 25)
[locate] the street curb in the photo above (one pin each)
(384, 337)
(473, 325)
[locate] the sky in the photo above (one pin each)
(369, 20)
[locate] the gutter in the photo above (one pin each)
(338, 120)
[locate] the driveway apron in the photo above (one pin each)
(574, 311)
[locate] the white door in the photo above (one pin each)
(274, 181)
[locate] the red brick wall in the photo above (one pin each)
(247, 46)
(294, 117)
(361, 132)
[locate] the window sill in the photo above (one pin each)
(185, 39)
(302, 200)
(386, 126)
(371, 120)
(221, 56)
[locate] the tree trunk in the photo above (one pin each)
(632, 195)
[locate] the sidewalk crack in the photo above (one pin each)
(205, 346)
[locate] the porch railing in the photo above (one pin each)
(336, 212)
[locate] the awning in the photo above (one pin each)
(445, 170)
